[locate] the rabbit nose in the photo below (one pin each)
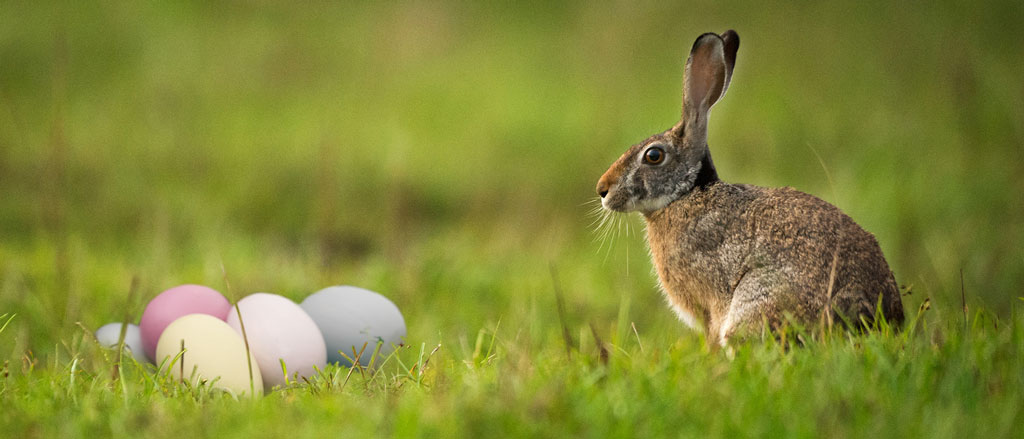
(610, 177)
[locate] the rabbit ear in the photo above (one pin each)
(732, 44)
(708, 71)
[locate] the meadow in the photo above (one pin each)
(445, 154)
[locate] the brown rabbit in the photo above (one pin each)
(731, 257)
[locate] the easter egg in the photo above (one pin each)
(350, 317)
(279, 330)
(109, 334)
(212, 349)
(182, 300)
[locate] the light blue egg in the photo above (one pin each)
(350, 317)
(108, 335)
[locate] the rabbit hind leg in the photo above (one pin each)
(755, 301)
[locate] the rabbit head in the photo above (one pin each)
(667, 166)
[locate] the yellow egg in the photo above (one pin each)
(212, 349)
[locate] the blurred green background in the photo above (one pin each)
(444, 153)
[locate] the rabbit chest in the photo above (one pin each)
(698, 246)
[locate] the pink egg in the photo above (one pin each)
(280, 330)
(167, 306)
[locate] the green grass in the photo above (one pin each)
(443, 154)
(931, 380)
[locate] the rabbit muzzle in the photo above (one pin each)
(607, 188)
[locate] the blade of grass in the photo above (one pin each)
(638, 342)
(4, 326)
(241, 324)
(602, 350)
(560, 304)
(963, 298)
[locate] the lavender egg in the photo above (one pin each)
(278, 331)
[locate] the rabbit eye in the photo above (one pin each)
(654, 155)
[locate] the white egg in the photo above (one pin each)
(109, 334)
(350, 317)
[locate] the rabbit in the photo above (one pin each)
(732, 257)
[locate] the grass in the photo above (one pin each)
(927, 381)
(444, 155)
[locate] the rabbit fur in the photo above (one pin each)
(732, 257)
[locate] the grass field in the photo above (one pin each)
(444, 154)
